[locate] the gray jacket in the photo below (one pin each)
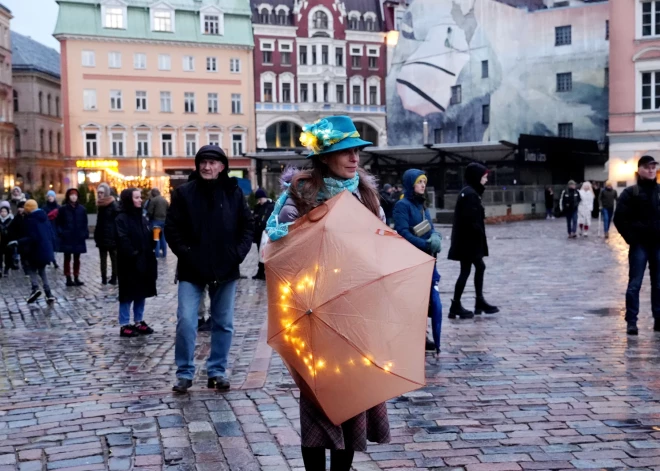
(157, 209)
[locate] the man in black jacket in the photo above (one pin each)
(568, 204)
(637, 218)
(209, 227)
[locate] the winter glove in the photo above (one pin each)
(434, 243)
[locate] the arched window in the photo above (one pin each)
(17, 140)
(48, 100)
(354, 23)
(57, 106)
(50, 141)
(264, 16)
(41, 103)
(59, 142)
(282, 18)
(284, 134)
(15, 101)
(42, 140)
(320, 20)
(370, 24)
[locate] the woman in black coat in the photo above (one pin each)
(105, 234)
(136, 264)
(468, 241)
(72, 231)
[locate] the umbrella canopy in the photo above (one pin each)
(347, 307)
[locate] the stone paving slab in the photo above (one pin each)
(551, 383)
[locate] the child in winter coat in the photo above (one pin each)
(6, 218)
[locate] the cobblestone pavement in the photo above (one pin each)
(550, 383)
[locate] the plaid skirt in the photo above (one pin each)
(318, 431)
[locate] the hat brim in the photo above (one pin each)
(348, 143)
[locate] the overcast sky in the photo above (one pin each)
(34, 18)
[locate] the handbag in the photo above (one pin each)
(423, 227)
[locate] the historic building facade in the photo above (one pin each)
(312, 59)
(7, 152)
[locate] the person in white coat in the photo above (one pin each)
(585, 207)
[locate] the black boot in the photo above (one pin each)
(69, 281)
(482, 306)
(457, 310)
(632, 328)
(113, 280)
(104, 280)
(77, 282)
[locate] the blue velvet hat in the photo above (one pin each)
(330, 135)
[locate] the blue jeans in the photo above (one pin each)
(160, 243)
(125, 312)
(435, 308)
(638, 256)
(607, 218)
(571, 221)
(222, 328)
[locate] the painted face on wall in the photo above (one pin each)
(436, 50)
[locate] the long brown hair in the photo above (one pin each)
(306, 185)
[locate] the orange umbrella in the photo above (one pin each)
(347, 307)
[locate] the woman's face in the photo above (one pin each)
(343, 163)
(4, 213)
(484, 179)
(420, 186)
(73, 197)
(137, 199)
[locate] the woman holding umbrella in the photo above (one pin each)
(334, 144)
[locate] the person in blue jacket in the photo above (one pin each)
(409, 212)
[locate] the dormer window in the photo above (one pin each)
(211, 24)
(264, 16)
(354, 20)
(370, 21)
(320, 20)
(163, 21)
(114, 15)
(282, 18)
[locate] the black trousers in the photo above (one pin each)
(466, 267)
(104, 261)
(314, 459)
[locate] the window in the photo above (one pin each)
(211, 24)
(188, 63)
(41, 103)
(42, 141)
(57, 106)
(88, 59)
(50, 141)
(607, 30)
(459, 133)
(139, 61)
(370, 24)
(304, 93)
(562, 35)
(339, 57)
(302, 52)
(234, 66)
(114, 17)
(267, 57)
(165, 102)
(314, 62)
(115, 100)
(214, 139)
(143, 144)
(373, 62)
(89, 99)
(565, 82)
(354, 23)
(164, 62)
(373, 95)
(340, 94)
(268, 92)
(437, 136)
(324, 55)
(213, 103)
(189, 102)
(650, 18)
(485, 114)
(191, 145)
(15, 93)
(282, 18)
(114, 60)
(320, 20)
(237, 144)
(606, 80)
(117, 144)
(48, 104)
(565, 130)
(264, 16)
(325, 93)
(59, 143)
(356, 62)
(315, 97)
(91, 144)
(484, 69)
(286, 57)
(141, 101)
(211, 64)
(286, 93)
(167, 145)
(236, 104)
(163, 21)
(456, 95)
(650, 90)
(356, 94)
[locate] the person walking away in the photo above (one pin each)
(335, 168)
(17, 196)
(6, 219)
(210, 229)
(468, 242)
(387, 201)
(596, 207)
(73, 233)
(157, 212)
(36, 248)
(412, 220)
(262, 212)
(51, 209)
(608, 197)
(549, 203)
(136, 264)
(568, 205)
(637, 218)
(17, 230)
(585, 208)
(105, 233)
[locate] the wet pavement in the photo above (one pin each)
(550, 383)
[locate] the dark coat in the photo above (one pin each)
(5, 231)
(105, 233)
(261, 214)
(210, 228)
(637, 214)
(387, 202)
(136, 262)
(72, 227)
(157, 209)
(569, 200)
(468, 234)
(37, 243)
(549, 199)
(52, 219)
(608, 197)
(410, 211)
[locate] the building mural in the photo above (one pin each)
(481, 70)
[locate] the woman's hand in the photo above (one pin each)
(435, 243)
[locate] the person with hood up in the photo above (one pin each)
(568, 204)
(73, 231)
(608, 197)
(17, 196)
(51, 209)
(136, 264)
(157, 212)
(387, 201)
(262, 212)
(36, 249)
(210, 229)
(105, 233)
(412, 220)
(585, 208)
(6, 219)
(468, 242)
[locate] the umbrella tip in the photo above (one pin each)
(309, 312)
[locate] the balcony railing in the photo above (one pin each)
(327, 107)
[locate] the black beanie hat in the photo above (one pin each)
(211, 152)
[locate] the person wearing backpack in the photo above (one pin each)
(637, 218)
(568, 204)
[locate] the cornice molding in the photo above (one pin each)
(60, 37)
